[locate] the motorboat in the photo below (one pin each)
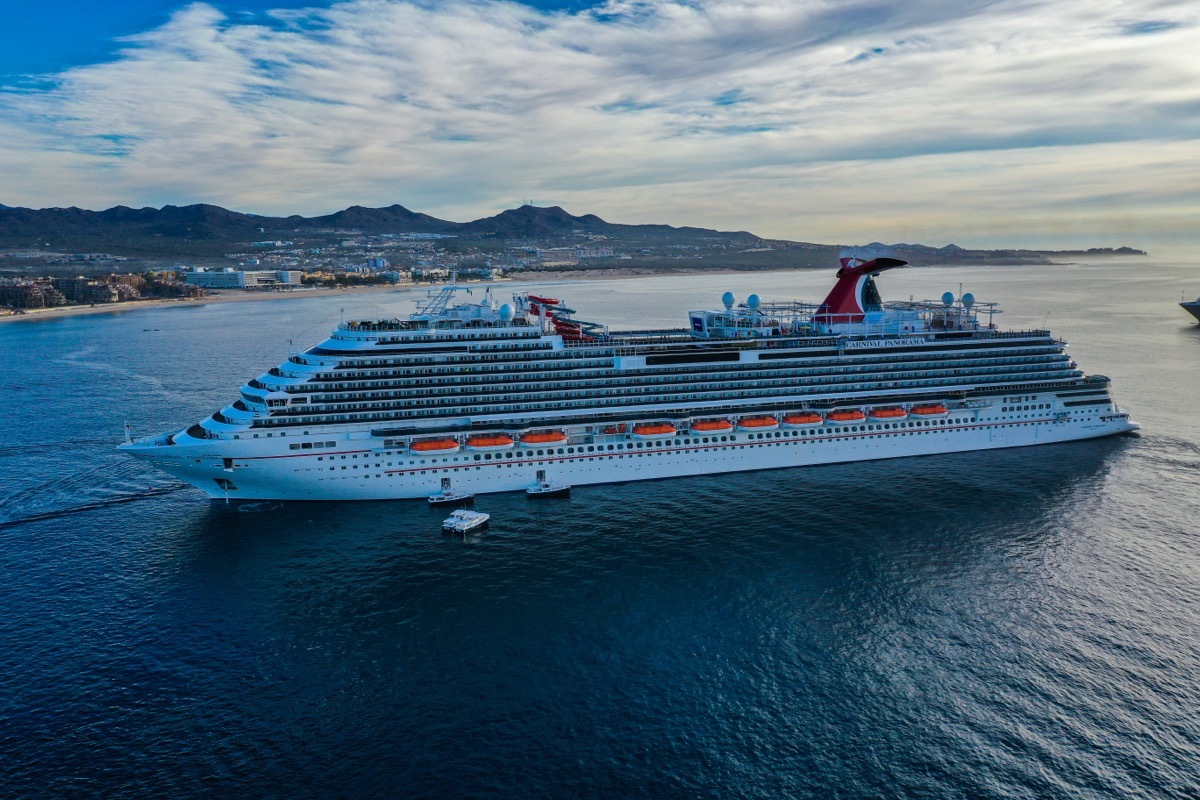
(547, 488)
(465, 521)
(448, 496)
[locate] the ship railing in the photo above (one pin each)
(375, 325)
(1027, 334)
(589, 341)
(624, 339)
(454, 406)
(156, 440)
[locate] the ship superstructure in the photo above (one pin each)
(495, 397)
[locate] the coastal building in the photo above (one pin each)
(593, 252)
(87, 290)
(137, 282)
(230, 278)
(20, 293)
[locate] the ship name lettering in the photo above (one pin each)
(885, 343)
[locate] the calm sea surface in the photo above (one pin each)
(1008, 624)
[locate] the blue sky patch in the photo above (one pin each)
(1149, 26)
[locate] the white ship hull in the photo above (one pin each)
(360, 468)
(481, 398)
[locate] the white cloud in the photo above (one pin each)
(979, 122)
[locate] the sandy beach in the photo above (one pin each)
(242, 296)
(229, 296)
(167, 302)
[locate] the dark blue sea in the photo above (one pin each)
(1006, 624)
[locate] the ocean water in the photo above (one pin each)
(1009, 624)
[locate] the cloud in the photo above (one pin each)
(819, 120)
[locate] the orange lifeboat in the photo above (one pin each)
(434, 446)
(845, 416)
(888, 413)
(542, 438)
(711, 425)
(758, 423)
(802, 420)
(494, 441)
(649, 430)
(929, 411)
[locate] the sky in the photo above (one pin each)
(984, 123)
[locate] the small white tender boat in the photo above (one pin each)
(464, 521)
(448, 496)
(548, 489)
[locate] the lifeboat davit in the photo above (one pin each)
(758, 423)
(888, 413)
(611, 429)
(929, 411)
(803, 420)
(434, 446)
(650, 430)
(711, 425)
(543, 438)
(845, 416)
(488, 442)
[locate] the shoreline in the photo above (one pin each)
(243, 296)
(59, 312)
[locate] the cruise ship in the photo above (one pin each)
(487, 397)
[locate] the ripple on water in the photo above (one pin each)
(1007, 624)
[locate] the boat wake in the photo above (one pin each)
(259, 508)
(87, 490)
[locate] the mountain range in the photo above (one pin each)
(208, 230)
(205, 229)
